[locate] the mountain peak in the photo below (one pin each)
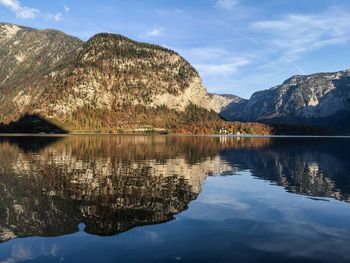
(320, 99)
(8, 31)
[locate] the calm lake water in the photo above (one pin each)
(174, 199)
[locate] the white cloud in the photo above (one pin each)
(224, 69)
(295, 34)
(20, 10)
(226, 4)
(219, 199)
(215, 62)
(66, 9)
(155, 32)
(19, 253)
(56, 17)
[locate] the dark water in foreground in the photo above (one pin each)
(174, 199)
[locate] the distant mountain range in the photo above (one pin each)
(53, 82)
(320, 100)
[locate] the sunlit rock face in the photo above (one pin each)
(55, 75)
(27, 59)
(110, 184)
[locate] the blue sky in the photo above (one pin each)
(238, 46)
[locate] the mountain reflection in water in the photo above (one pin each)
(50, 185)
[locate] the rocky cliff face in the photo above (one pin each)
(27, 58)
(320, 99)
(222, 102)
(227, 105)
(48, 73)
(113, 71)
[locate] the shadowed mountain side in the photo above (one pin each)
(299, 129)
(334, 124)
(229, 111)
(31, 124)
(289, 125)
(321, 100)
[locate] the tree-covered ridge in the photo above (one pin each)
(123, 39)
(113, 72)
(194, 120)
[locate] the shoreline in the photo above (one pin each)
(155, 134)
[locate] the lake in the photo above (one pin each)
(103, 198)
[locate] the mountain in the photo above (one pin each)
(321, 100)
(227, 105)
(222, 103)
(28, 57)
(109, 83)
